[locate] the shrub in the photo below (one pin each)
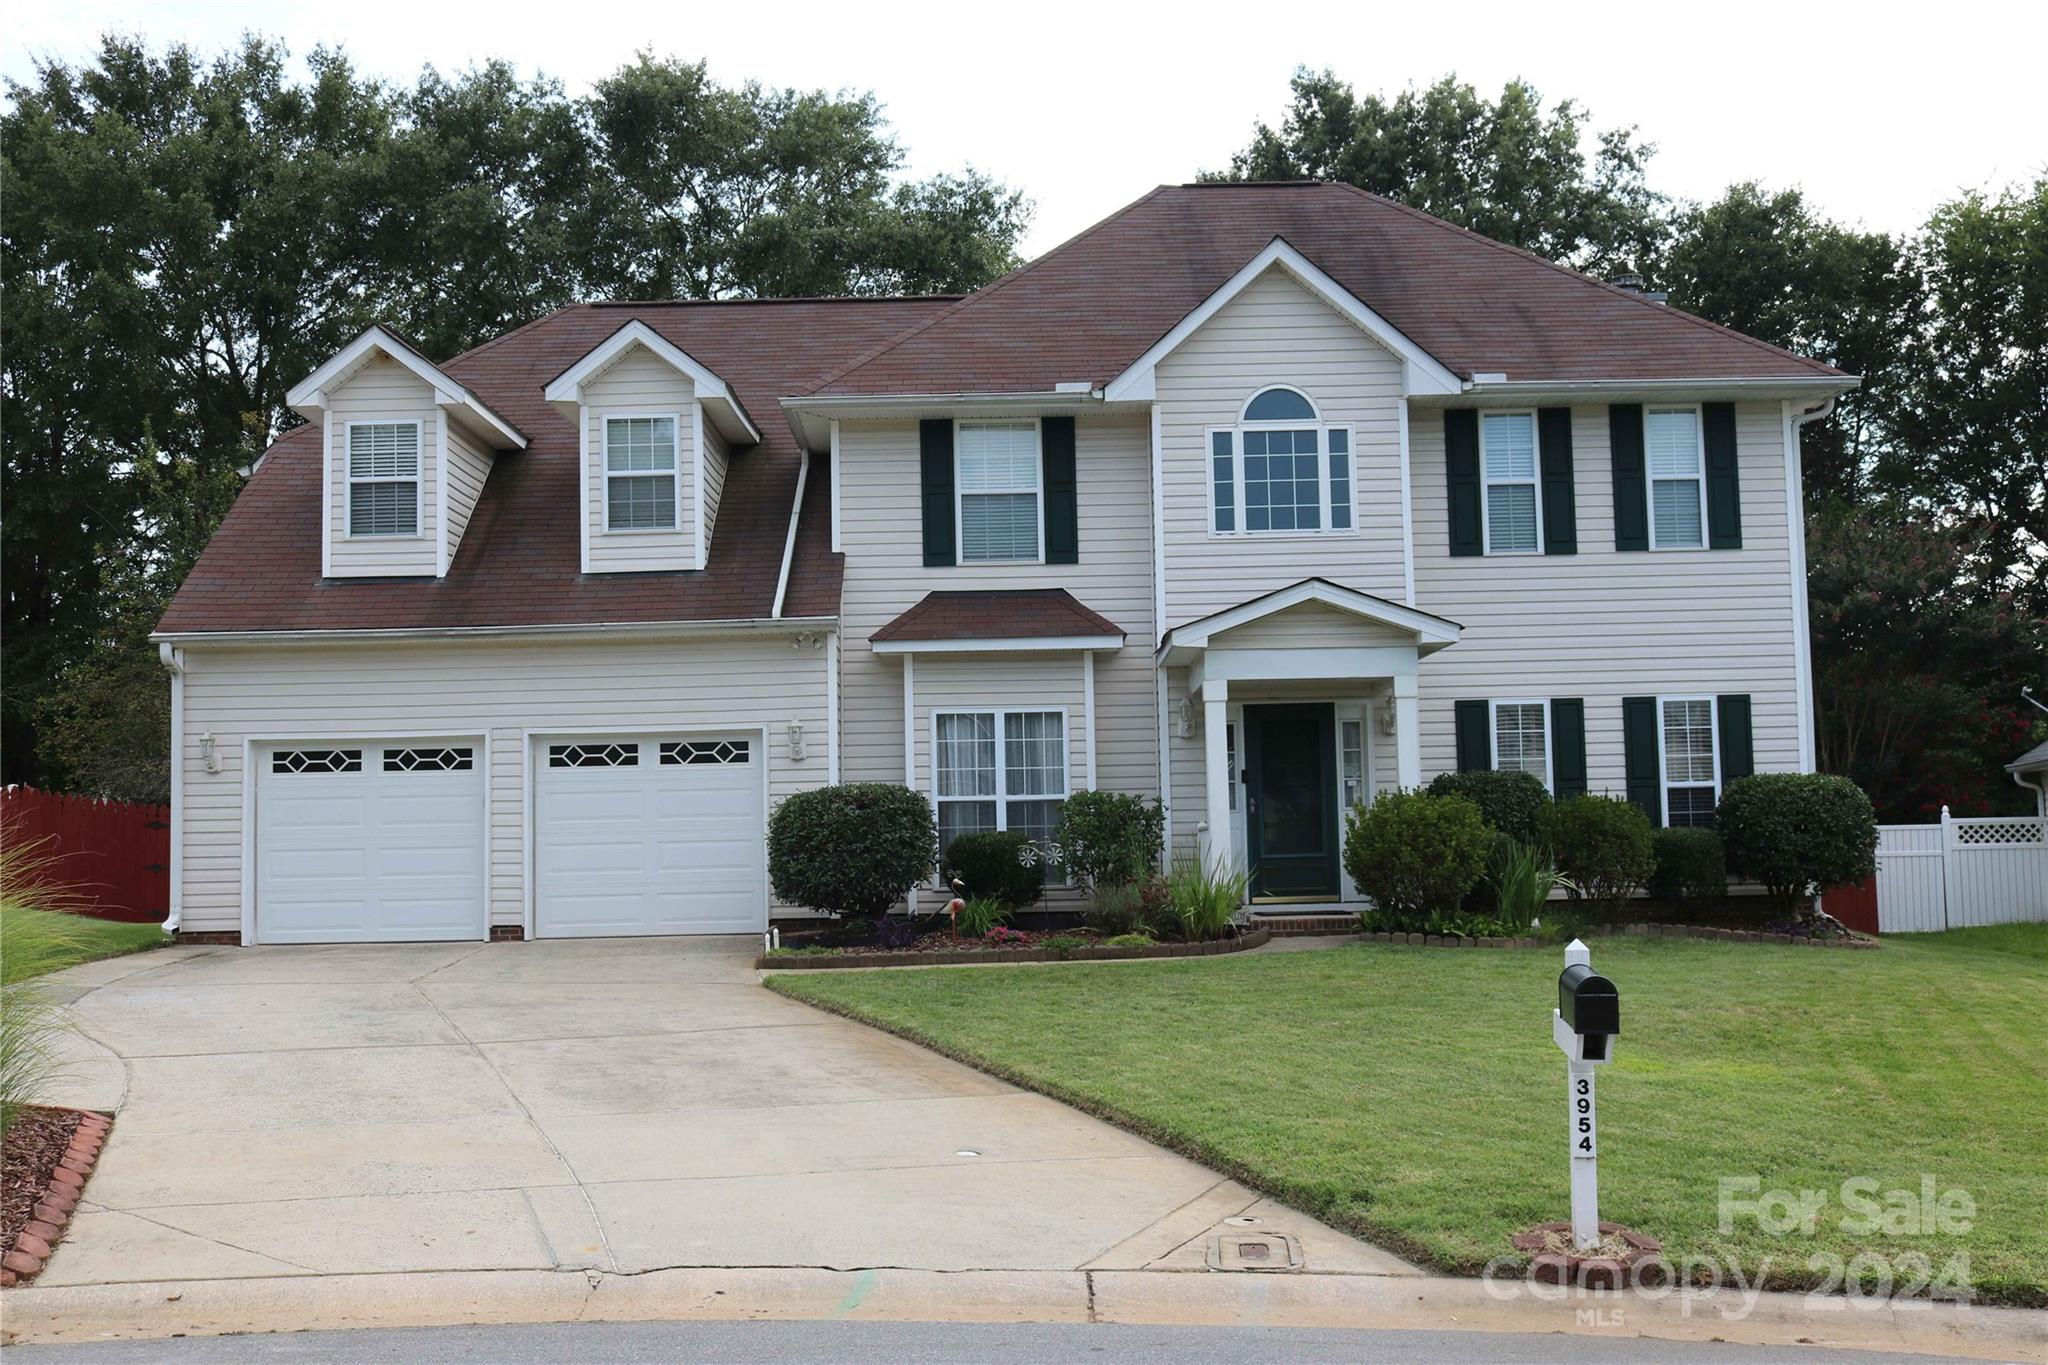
(1690, 869)
(1415, 854)
(1000, 865)
(1116, 909)
(38, 935)
(1522, 878)
(1130, 941)
(854, 849)
(1602, 846)
(1203, 902)
(1109, 838)
(1508, 801)
(1797, 832)
(979, 914)
(1063, 945)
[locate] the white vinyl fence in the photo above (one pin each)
(1982, 870)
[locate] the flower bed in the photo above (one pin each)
(50, 1153)
(939, 949)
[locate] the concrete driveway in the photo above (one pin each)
(606, 1105)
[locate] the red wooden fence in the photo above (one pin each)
(114, 855)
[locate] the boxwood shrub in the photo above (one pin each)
(1001, 866)
(854, 849)
(1415, 854)
(1690, 870)
(1602, 847)
(1509, 801)
(1797, 833)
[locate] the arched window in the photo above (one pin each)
(1281, 469)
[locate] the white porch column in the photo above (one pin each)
(1216, 771)
(1407, 732)
(910, 722)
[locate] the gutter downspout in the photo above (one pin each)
(1802, 632)
(796, 511)
(173, 659)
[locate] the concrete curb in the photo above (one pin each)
(448, 1298)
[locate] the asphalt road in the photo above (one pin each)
(786, 1343)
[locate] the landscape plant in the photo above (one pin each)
(1602, 846)
(979, 914)
(1691, 871)
(1109, 838)
(1522, 876)
(1000, 864)
(1415, 855)
(38, 934)
(1797, 833)
(1203, 900)
(1509, 801)
(851, 850)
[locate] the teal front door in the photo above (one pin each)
(1290, 779)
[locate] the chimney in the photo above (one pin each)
(1631, 282)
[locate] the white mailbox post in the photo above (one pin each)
(1586, 1020)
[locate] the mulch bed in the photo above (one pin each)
(48, 1153)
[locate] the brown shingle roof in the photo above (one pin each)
(1012, 614)
(518, 563)
(1088, 309)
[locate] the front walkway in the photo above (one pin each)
(605, 1105)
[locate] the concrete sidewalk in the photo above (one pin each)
(619, 1106)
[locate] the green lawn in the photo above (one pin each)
(33, 942)
(1413, 1095)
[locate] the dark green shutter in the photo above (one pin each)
(1062, 516)
(1639, 756)
(1560, 515)
(1461, 470)
(1568, 746)
(935, 462)
(1724, 479)
(1631, 488)
(1738, 751)
(1475, 736)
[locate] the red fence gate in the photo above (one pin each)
(114, 855)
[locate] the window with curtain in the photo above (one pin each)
(1691, 776)
(1280, 470)
(384, 478)
(1000, 490)
(640, 473)
(1520, 741)
(1508, 471)
(999, 770)
(1678, 485)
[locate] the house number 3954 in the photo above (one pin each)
(1585, 1141)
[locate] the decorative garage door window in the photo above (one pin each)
(1002, 770)
(317, 761)
(593, 755)
(675, 752)
(429, 760)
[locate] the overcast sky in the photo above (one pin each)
(1879, 115)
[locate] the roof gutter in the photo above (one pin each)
(1761, 387)
(756, 625)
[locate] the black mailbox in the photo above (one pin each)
(1588, 1001)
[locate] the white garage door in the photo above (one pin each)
(368, 841)
(645, 834)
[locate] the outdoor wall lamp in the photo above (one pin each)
(207, 753)
(796, 740)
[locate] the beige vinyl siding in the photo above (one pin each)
(498, 689)
(469, 464)
(381, 391)
(717, 458)
(1311, 626)
(1603, 624)
(640, 385)
(882, 535)
(1001, 682)
(1277, 332)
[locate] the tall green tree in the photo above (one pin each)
(1508, 167)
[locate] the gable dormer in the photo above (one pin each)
(655, 433)
(405, 452)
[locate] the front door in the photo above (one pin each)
(1291, 815)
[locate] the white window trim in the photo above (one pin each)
(1002, 797)
(1535, 481)
(1699, 432)
(418, 480)
(960, 559)
(606, 475)
(1664, 782)
(1238, 429)
(1549, 736)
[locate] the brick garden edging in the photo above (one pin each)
(1098, 953)
(1706, 931)
(38, 1238)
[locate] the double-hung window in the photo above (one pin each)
(1676, 459)
(640, 473)
(1281, 469)
(384, 478)
(999, 770)
(1521, 738)
(1508, 468)
(1001, 492)
(1692, 774)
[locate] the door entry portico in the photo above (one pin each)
(1291, 809)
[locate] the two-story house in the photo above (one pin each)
(1259, 499)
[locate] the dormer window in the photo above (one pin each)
(640, 473)
(383, 479)
(1280, 470)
